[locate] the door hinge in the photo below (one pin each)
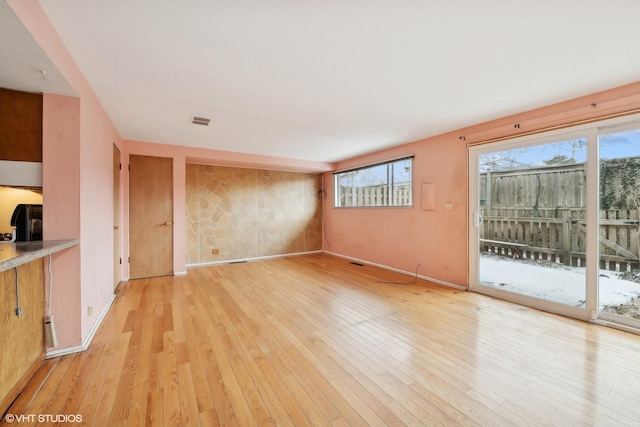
(129, 260)
(120, 260)
(120, 166)
(129, 167)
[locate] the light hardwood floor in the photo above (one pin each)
(315, 340)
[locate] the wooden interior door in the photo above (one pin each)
(150, 216)
(117, 255)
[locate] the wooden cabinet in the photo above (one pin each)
(20, 126)
(21, 337)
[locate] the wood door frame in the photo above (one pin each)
(117, 217)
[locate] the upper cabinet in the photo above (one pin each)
(20, 126)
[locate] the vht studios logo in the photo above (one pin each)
(43, 418)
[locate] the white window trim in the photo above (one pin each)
(336, 175)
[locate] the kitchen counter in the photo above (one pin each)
(13, 254)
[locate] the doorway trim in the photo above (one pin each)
(117, 216)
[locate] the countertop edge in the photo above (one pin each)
(29, 251)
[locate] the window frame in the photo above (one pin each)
(389, 184)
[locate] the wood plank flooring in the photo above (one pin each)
(315, 340)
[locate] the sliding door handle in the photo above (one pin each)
(478, 219)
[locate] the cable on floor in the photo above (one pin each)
(402, 283)
(322, 195)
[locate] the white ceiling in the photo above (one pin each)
(328, 80)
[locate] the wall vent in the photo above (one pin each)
(200, 121)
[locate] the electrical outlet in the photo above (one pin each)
(448, 206)
(215, 251)
(89, 310)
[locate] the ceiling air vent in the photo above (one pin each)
(200, 121)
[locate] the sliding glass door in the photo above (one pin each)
(619, 246)
(555, 221)
(530, 222)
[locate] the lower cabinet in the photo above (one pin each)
(21, 336)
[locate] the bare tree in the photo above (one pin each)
(559, 159)
(571, 148)
(502, 160)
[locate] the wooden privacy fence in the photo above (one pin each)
(376, 195)
(540, 213)
(558, 235)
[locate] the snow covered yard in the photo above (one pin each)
(553, 282)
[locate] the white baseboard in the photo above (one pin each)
(180, 273)
(87, 340)
(64, 351)
(229, 261)
(408, 273)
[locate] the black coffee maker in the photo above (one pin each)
(27, 219)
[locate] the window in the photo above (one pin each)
(382, 184)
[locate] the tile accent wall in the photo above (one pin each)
(246, 213)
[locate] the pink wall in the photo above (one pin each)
(96, 194)
(79, 174)
(402, 238)
(61, 203)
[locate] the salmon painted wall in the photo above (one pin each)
(402, 238)
(80, 173)
(182, 155)
(61, 209)
(96, 212)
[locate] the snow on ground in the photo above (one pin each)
(553, 282)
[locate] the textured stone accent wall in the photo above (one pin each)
(246, 213)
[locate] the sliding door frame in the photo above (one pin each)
(610, 319)
(591, 131)
(475, 152)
